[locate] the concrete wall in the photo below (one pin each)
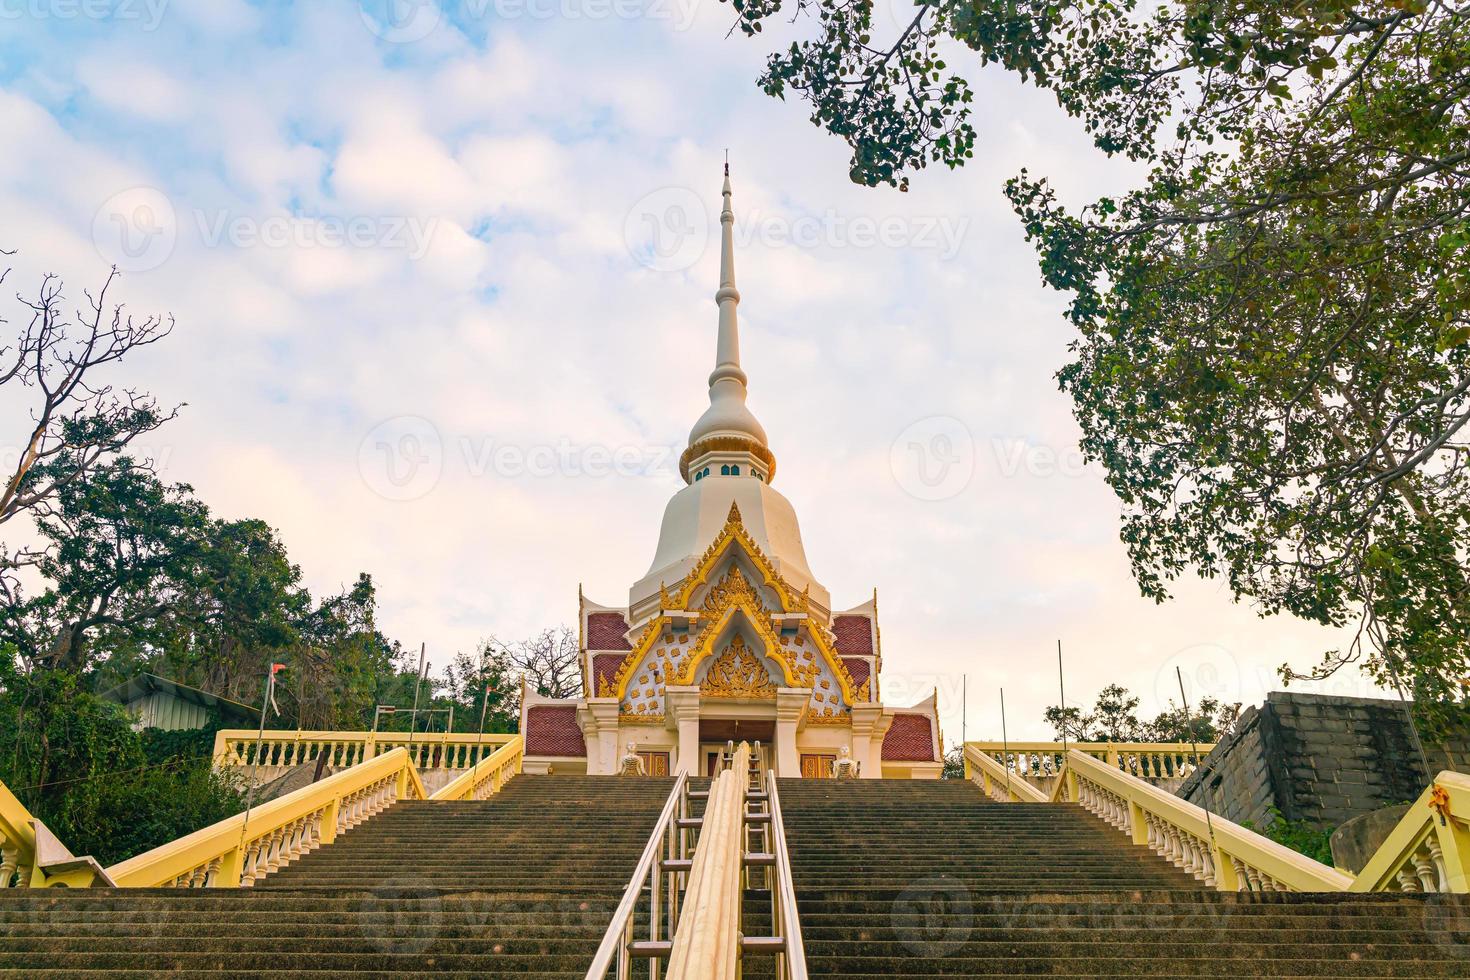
(1317, 758)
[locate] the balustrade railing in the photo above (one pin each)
(487, 777)
(1222, 854)
(243, 849)
(280, 751)
(1429, 849)
(1165, 764)
(996, 781)
(17, 841)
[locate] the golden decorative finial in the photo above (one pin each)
(734, 517)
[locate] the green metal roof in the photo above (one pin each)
(142, 685)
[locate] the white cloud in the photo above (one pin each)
(134, 88)
(217, 17)
(525, 323)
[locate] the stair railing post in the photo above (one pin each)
(230, 867)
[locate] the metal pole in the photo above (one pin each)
(1062, 686)
(1005, 742)
(270, 687)
(1398, 686)
(444, 742)
(418, 682)
(480, 741)
(1189, 726)
(964, 712)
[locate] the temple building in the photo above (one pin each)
(730, 635)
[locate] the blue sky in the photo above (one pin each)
(443, 283)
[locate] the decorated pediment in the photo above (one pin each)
(738, 672)
(732, 592)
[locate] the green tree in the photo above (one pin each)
(1273, 364)
(138, 575)
(1114, 719)
(119, 547)
(1205, 724)
(482, 682)
(104, 789)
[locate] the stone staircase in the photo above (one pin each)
(932, 879)
(893, 879)
(522, 884)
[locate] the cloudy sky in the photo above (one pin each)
(443, 278)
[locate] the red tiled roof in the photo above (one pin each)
(551, 729)
(604, 667)
(605, 631)
(859, 668)
(854, 635)
(910, 739)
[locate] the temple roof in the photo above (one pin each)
(910, 739)
(854, 635)
(607, 631)
(552, 730)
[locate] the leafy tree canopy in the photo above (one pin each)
(1114, 718)
(104, 789)
(1273, 362)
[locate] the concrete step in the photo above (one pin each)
(931, 880)
(521, 884)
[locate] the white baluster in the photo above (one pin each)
(250, 866)
(9, 865)
(1425, 869)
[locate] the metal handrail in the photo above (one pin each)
(792, 965)
(666, 837)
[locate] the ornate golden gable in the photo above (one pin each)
(713, 622)
(738, 673)
(731, 594)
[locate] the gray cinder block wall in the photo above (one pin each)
(1318, 758)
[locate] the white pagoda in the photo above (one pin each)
(730, 635)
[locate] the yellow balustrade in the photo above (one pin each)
(1222, 854)
(281, 750)
(707, 943)
(233, 853)
(17, 841)
(996, 781)
(1154, 761)
(1429, 849)
(487, 777)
